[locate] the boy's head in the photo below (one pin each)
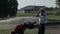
(42, 11)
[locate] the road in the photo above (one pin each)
(20, 20)
(53, 29)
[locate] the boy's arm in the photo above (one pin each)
(38, 14)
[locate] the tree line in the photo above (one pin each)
(8, 8)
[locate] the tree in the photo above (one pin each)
(12, 8)
(58, 5)
(3, 8)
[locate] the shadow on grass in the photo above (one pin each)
(27, 31)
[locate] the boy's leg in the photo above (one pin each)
(41, 29)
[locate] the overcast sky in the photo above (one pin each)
(48, 3)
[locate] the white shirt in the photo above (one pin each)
(42, 20)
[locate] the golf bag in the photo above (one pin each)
(19, 29)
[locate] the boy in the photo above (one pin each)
(42, 17)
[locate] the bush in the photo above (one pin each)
(49, 13)
(26, 14)
(58, 12)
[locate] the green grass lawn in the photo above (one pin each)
(53, 18)
(26, 14)
(7, 28)
(49, 17)
(32, 14)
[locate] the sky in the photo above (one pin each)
(47, 3)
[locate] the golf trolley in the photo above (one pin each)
(19, 29)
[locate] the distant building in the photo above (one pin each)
(21, 11)
(29, 9)
(34, 9)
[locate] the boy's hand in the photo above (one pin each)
(37, 15)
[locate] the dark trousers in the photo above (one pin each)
(41, 29)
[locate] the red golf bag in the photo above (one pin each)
(19, 29)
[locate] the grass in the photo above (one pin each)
(32, 14)
(26, 14)
(49, 17)
(5, 31)
(53, 18)
(7, 28)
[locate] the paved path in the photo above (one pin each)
(53, 29)
(19, 20)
